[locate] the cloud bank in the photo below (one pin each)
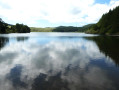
(34, 12)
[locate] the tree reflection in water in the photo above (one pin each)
(109, 45)
(3, 41)
(59, 63)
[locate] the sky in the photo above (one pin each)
(53, 13)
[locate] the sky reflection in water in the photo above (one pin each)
(46, 61)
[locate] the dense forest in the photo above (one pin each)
(72, 29)
(65, 29)
(85, 27)
(108, 24)
(18, 28)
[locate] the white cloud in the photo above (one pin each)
(31, 12)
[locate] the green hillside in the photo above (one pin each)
(47, 29)
(85, 27)
(108, 24)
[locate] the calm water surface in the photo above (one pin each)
(59, 61)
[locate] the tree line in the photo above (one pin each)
(71, 28)
(108, 24)
(18, 28)
(65, 29)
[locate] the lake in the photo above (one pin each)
(59, 61)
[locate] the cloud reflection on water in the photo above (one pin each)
(56, 64)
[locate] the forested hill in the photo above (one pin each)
(18, 28)
(62, 29)
(71, 28)
(108, 24)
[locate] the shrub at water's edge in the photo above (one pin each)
(18, 28)
(108, 24)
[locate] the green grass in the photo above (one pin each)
(47, 29)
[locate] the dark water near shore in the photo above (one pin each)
(59, 61)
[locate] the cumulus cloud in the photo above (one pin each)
(31, 12)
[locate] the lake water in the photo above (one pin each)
(59, 61)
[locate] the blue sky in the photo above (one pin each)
(103, 1)
(52, 13)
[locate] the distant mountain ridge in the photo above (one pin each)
(62, 29)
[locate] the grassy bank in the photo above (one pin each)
(47, 29)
